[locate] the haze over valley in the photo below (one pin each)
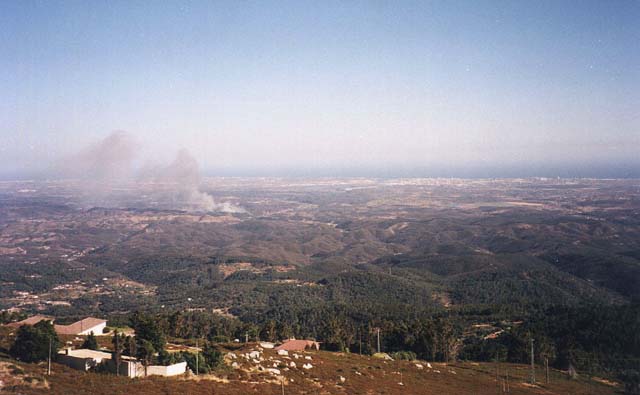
(291, 197)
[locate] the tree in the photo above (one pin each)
(130, 348)
(269, 331)
(7, 317)
(145, 353)
(631, 381)
(190, 359)
(147, 329)
(90, 342)
(32, 342)
(212, 356)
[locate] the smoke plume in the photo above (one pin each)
(182, 177)
(107, 177)
(109, 160)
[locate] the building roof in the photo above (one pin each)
(30, 321)
(79, 326)
(298, 345)
(86, 353)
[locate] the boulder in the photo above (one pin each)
(274, 371)
(254, 354)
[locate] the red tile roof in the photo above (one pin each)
(298, 345)
(80, 326)
(30, 321)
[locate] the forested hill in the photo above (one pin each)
(447, 268)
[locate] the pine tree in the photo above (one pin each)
(32, 342)
(91, 342)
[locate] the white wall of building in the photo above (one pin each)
(171, 370)
(97, 330)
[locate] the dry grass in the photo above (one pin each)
(13, 378)
(363, 375)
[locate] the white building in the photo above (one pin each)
(84, 359)
(83, 327)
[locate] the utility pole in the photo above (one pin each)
(378, 332)
(533, 367)
(546, 369)
(49, 360)
(117, 352)
(360, 333)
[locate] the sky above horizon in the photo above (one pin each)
(451, 88)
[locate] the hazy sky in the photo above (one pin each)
(425, 88)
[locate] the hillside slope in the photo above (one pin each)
(331, 373)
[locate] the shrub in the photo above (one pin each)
(404, 355)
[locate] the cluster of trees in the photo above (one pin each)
(432, 338)
(35, 343)
(11, 316)
(149, 344)
(593, 339)
(208, 360)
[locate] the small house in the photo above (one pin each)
(82, 359)
(298, 345)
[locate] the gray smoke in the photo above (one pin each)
(107, 177)
(109, 160)
(182, 177)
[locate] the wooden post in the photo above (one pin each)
(546, 368)
(508, 390)
(196, 357)
(49, 360)
(533, 367)
(378, 332)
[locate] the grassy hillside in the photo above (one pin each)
(362, 375)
